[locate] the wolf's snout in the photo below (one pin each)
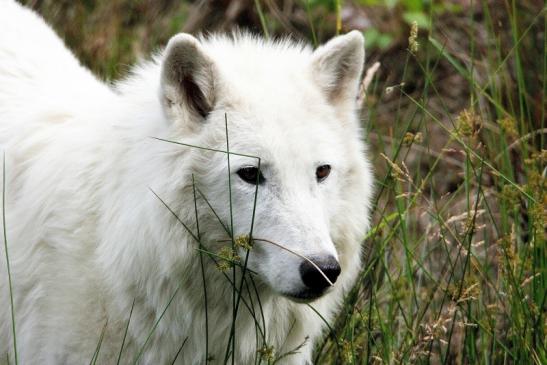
(313, 278)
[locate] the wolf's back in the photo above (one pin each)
(38, 74)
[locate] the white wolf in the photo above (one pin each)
(103, 221)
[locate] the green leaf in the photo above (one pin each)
(418, 17)
(375, 39)
(414, 5)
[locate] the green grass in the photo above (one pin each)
(460, 274)
(456, 267)
(8, 267)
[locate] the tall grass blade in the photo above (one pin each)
(99, 344)
(13, 332)
(125, 332)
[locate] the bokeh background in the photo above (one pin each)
(454, 113)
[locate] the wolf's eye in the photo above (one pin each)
(322, 172)
(251, 175)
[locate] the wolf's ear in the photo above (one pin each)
(337, 66)
(187, 79)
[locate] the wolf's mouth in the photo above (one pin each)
(305, 296)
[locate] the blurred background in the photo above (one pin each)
(454, 113)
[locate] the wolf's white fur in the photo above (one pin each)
(87, 236)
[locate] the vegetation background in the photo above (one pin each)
(455, 116)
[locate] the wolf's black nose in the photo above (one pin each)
(313, 279)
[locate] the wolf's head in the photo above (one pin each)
(288, 115)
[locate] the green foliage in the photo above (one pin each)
(375, 39)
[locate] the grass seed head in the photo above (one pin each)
(228, 258)
(468, 123)
(509, 126)
(267, 353)
(244, 241)
(413, 44)
(411, 138)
